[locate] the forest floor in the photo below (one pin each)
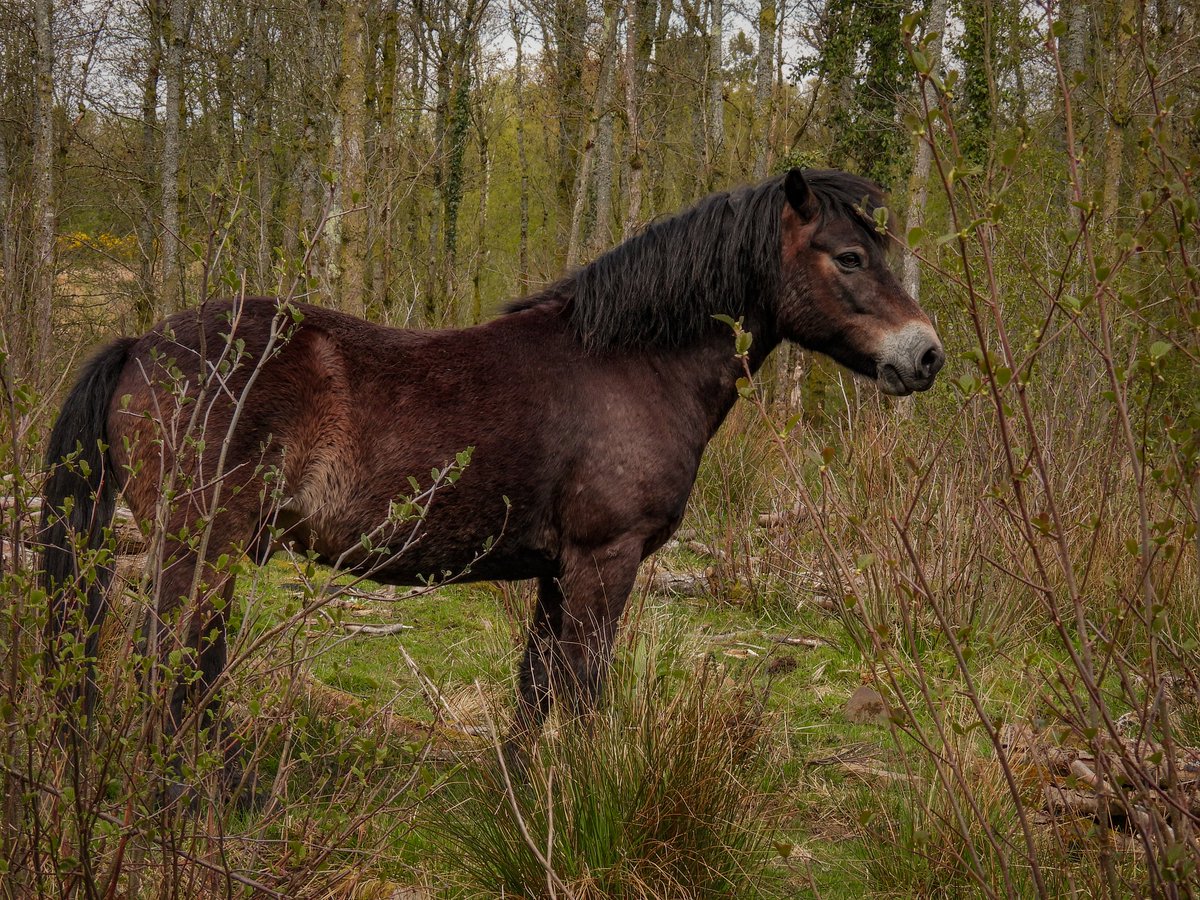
(842, 789)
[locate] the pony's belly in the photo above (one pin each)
(414, 569)
(412, 554)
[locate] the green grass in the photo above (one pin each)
(845, 810)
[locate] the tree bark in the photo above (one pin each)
(312, 199)
(1076, 47)
(1118, 111)
(919, 184)
(264, 163)
(716, 94)
(460, 120)
(602, 181)
(485, 172)
(568, 34)
(146, 307)
(175, 37)
(763, 82)
(10, 298)
(522, 160)
(352, 288)
(584, 175)
(633, 153)
(977, 95)
(42, 283)
(387, 127)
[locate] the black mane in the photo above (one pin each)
(662, 287)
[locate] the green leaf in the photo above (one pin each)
(1159, 349)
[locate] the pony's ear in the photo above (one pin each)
(799, 194)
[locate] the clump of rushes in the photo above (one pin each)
(664, 792)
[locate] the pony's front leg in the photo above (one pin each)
(596, 585)
(534, 696)
(186, 631)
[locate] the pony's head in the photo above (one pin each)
(836, 292)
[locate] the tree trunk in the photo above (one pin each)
(437, 279)
(602, 182)
(383, 249)
(522, 160)
(145, 306)
(977, 93)
(264, 163)
(42, 284)
(584, 175)
(479, 263)
(10, 298)
(460, 120)
(352, 288)
(716, 94)
(1077, 40)
(175, 37)
(312, 191)
(762, 86)
(918, 193)
(568, 33)
(633, 153)
(1118, 106)
(413, 141)
(839, 53)
(481, 252)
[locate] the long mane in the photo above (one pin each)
(662, 286)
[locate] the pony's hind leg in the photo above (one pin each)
(185, 635)
(534, 696)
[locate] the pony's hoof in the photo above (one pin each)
(516, 760)
(179, 797)
(243, 791)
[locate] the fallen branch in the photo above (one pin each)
(394, 628)
(809, 642)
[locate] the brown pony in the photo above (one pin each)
(584, 410)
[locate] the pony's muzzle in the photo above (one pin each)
(909, 360)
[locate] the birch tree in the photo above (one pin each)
(602, 99)
(352, 286)
(602, 178)
(715, 147)
(42, 283)
(763, 80)
(919, 182)
(174, 27)
(636, 59)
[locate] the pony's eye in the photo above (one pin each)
(849, 260)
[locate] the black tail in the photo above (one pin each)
(79, 498)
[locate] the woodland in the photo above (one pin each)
(939, 646)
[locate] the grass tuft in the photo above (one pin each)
(666, 792)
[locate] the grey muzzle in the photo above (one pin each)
(909, 359)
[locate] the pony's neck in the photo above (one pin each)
(713, 370)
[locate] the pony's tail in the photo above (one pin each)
(77, 505)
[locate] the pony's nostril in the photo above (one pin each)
(932, 361)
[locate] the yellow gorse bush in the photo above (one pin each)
(103, 243)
